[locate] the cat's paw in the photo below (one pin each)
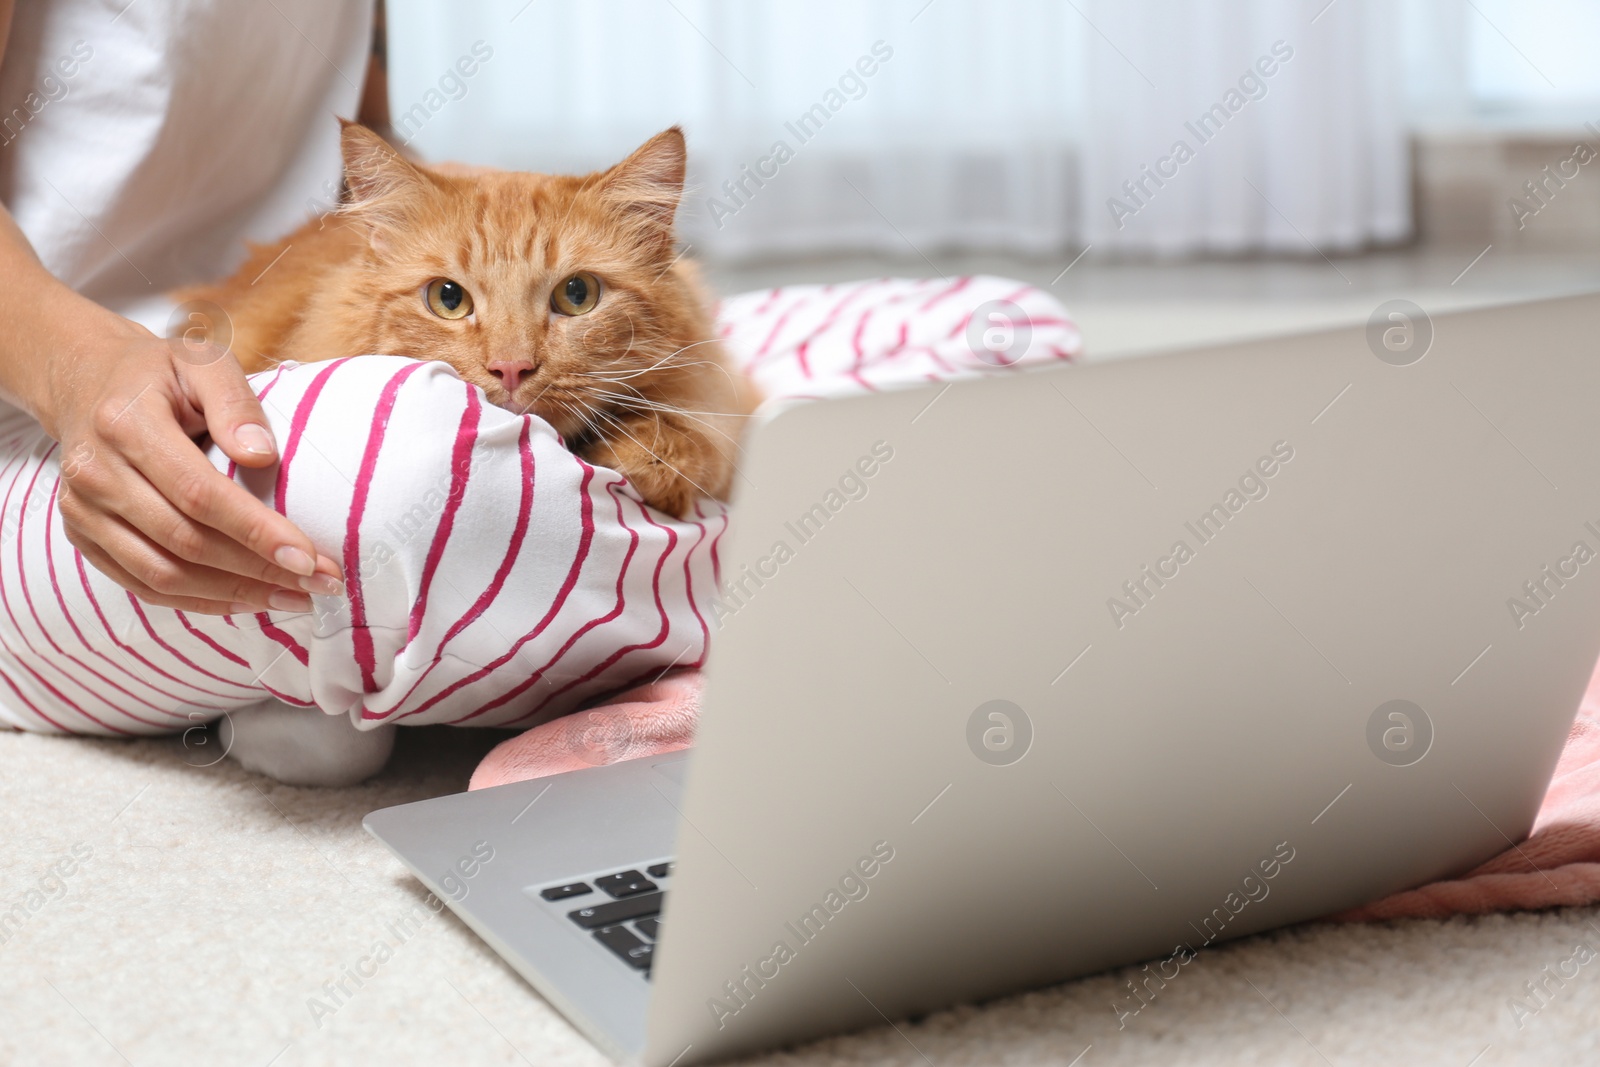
(668, 492)
(303, 746)
(662, 483)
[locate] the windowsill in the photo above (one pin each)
(1509, 123)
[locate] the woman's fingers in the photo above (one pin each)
(219, 390)
(150, 569)
(144, 504)
(162, 524)
(115, 489)
(111, 569)
(159, 450)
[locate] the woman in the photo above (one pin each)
(139, 149)
(425, 558)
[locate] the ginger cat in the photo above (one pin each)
(557, 295)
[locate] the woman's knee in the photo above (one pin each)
(375, 441)
(406, 475)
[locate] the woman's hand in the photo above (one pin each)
(138, 497)
(141, 501)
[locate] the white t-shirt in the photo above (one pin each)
(141, 143)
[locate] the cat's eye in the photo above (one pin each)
(448, 299)
(576, 295)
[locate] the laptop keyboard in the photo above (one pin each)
(622, 910)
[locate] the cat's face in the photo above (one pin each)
(554, 294)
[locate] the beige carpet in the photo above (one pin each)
(214, 905)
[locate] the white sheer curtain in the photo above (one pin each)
(1245, 125)
(981, 125)
(962, 134)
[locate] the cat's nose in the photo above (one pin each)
(511, 372)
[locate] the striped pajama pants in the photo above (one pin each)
(492, 577)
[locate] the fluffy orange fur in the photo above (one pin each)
(637, 382)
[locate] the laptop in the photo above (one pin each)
(1064, 669)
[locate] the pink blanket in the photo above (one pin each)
(648, 720)
(1559, 863)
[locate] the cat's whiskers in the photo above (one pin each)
(664, 360)
(641, 403)
(526, 407)
(646, 370)
(623, 379)
(588, 424)
(634, 397)
(656, 405)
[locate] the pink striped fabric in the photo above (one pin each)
(823, 340)
(494, 578)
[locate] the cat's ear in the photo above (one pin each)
(647, 186)
(380, 181)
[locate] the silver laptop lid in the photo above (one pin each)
(1032, 675)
